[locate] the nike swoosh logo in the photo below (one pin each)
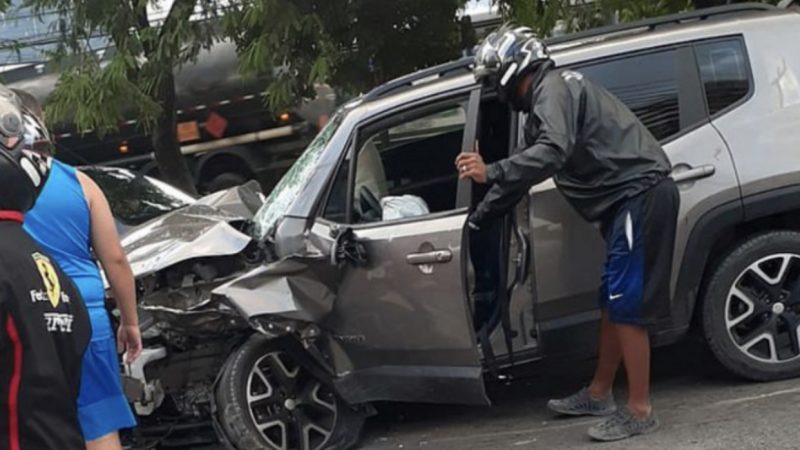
(615, 296)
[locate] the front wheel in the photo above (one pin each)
(265, 400)
(751, 310)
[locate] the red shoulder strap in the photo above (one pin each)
(14, 216)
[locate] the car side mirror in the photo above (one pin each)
(346, 247)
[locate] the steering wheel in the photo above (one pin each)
(370, 205)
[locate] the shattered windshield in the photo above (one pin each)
(295, 179)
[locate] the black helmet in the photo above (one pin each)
(507, 55)
(22, 173)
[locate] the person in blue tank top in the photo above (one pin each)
(71, 221)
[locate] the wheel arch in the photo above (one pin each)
(229, 416)
(719, 231)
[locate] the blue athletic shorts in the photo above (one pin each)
(640, 237)
(102, 405)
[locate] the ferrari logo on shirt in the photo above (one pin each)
(49, 278)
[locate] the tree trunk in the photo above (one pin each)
(171, 163)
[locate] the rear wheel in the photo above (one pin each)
(751, 310)
(268, 401)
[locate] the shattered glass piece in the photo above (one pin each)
(293, 182)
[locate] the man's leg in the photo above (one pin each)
(636, 353)
(639, 296)
(609, 355)
(637, 416)
(597, 399)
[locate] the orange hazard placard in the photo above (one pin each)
(188, 131)
(215, 125)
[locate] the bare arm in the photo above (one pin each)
(109, 252)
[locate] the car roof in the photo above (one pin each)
(597, 43)
(634, 39)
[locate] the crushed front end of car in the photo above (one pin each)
(230, 318)
(178, 259)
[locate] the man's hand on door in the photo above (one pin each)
(471, 165)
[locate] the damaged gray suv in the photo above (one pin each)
(353, 282)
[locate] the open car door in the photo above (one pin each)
(402, 327)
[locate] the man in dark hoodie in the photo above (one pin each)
(612, 170)
(44, 326)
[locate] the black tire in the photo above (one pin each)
(224, 181)
(738, 330)
(238, 421)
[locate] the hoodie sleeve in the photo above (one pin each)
(555, 111)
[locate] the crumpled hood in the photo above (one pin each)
(242, 201)
(190, 232)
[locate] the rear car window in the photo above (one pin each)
(724, 73)
(647, 84)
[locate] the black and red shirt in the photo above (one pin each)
(44, 330)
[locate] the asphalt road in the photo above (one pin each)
(700, 405)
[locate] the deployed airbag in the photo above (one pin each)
(399, 207)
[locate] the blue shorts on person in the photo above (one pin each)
(102, 405)
(640, 236)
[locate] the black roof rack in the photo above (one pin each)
(650, 24)
(464, 64)
(457, 67)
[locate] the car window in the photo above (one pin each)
(647, 84)
(404, 170)
(723, 70)
(134, 198)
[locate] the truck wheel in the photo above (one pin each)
(751, 309)
(224, 181)
(265, 400)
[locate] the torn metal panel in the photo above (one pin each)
(208, 321)
(192, 232)
(297, 288)
(242, 201)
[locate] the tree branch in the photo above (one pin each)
(180, 11)
(142, 24)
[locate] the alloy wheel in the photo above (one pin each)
(290, 408)
(762, 310)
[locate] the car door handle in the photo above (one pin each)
(693, 173)
(434, 257)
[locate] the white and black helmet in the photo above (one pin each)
(508, 54)
(36, 136)
(22, 172)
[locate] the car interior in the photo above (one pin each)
(390, 175)
(388, 169)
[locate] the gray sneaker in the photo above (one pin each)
(622, 425)
(582, 404)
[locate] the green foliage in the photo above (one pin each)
(545, 16)
(353, 44)
(96, 94)
(96, 98)
(284, 41)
